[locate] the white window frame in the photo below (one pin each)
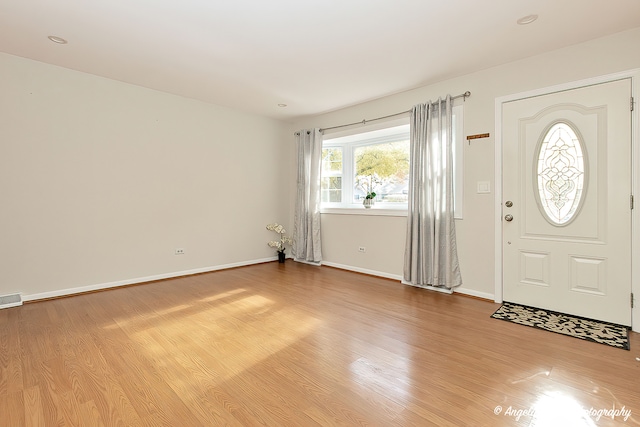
(351, 139)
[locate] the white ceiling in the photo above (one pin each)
(313, 55)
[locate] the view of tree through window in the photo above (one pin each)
(383, 169)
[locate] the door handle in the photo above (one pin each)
(508, 217)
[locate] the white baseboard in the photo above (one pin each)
(477, 294)
(464, 291)
(362, 270)
(430, 288)
(138, 280)
(315, 264)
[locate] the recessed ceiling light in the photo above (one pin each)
(527, 19)
(57, 39)
(282, 105)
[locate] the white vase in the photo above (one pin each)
(367, 203)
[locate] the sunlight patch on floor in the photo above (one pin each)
(252, 328)
(223, 295)
(149, 316)
(173, 309)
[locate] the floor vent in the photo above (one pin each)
(12, 300)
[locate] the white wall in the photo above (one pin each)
(100, 181)
(342, 234)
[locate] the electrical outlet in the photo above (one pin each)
(362, 249)
(179, 251)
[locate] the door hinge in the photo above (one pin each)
(631, 201)
(632, 103)
(631, 299)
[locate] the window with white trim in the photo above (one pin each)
(378, 161)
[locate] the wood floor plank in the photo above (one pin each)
(152, 397)
(33, 410)
(90, 415)
(295, 345)
(12, 408)
(192, 389)
(68, 407)
(11, 375)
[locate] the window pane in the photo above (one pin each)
(331, 182)
(331, 161)
(331, 189)
(383, 169)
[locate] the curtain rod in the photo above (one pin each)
(464, 96)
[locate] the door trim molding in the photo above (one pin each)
(634, 75)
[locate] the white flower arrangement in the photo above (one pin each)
(284, 240)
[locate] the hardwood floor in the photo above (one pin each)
(295, 345)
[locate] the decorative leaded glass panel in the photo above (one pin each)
(560, 173)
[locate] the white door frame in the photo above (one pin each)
(634, 75)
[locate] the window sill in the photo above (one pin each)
(374, 211)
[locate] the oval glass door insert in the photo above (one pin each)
(560, 174)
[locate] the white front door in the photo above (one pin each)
(566, 210)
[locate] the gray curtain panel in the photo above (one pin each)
(431, 257)
(306, 226)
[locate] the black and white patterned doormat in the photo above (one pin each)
(585, 329)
